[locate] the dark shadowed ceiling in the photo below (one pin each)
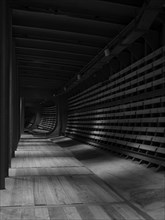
(56, 39)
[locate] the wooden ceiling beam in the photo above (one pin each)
(93, 10)
(65, 23)
(53, 46)
(46, 70)
(59, 36)
(47, 66)
(52, 54)
(61, 61)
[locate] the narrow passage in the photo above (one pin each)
(47, 182)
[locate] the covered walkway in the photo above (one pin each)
(55, 180)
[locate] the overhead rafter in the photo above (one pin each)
(44, 83)
(43, 79)
(59, 36)
(78, 53)
(45, 69)
(45, 63)
(98, 10)
(52, 54)
(65, 62)
(65, 23)
(127, 2)
(48, 66)
(43, 74)
(53, 43)
(53, 46)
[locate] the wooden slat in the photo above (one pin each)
(82, 212)
(63, 192)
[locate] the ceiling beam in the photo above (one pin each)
(40, 78)
(97, 10)
(65, 23)
(66, 62)
(54, 43)
(47, 66)
(50, 45)
(77, 53)
(137, 3)
(39, 86)
(42, 82)
(40, 62)
(59, 36)
(52, 54)
(38, 75)
(46, 70)
(25, 85)
(42, 72)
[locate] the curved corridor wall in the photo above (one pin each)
(47, 123)
(125, 114)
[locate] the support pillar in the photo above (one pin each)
(13, 101)
(4, 91)
(163, 35)
(22, 115)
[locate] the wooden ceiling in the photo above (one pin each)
(56, 39)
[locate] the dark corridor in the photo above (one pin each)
(88, 76)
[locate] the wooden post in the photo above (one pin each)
(13, 101)
(22, 115)
(4, 91)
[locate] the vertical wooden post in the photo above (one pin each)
(163, 35)
(22, 115)
(15, 101)
(4, 91)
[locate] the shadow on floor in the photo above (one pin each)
(66, 143)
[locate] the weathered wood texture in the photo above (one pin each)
(141, 186)
(52, 184)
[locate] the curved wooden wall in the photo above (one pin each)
(47, 122)
(125, 114)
